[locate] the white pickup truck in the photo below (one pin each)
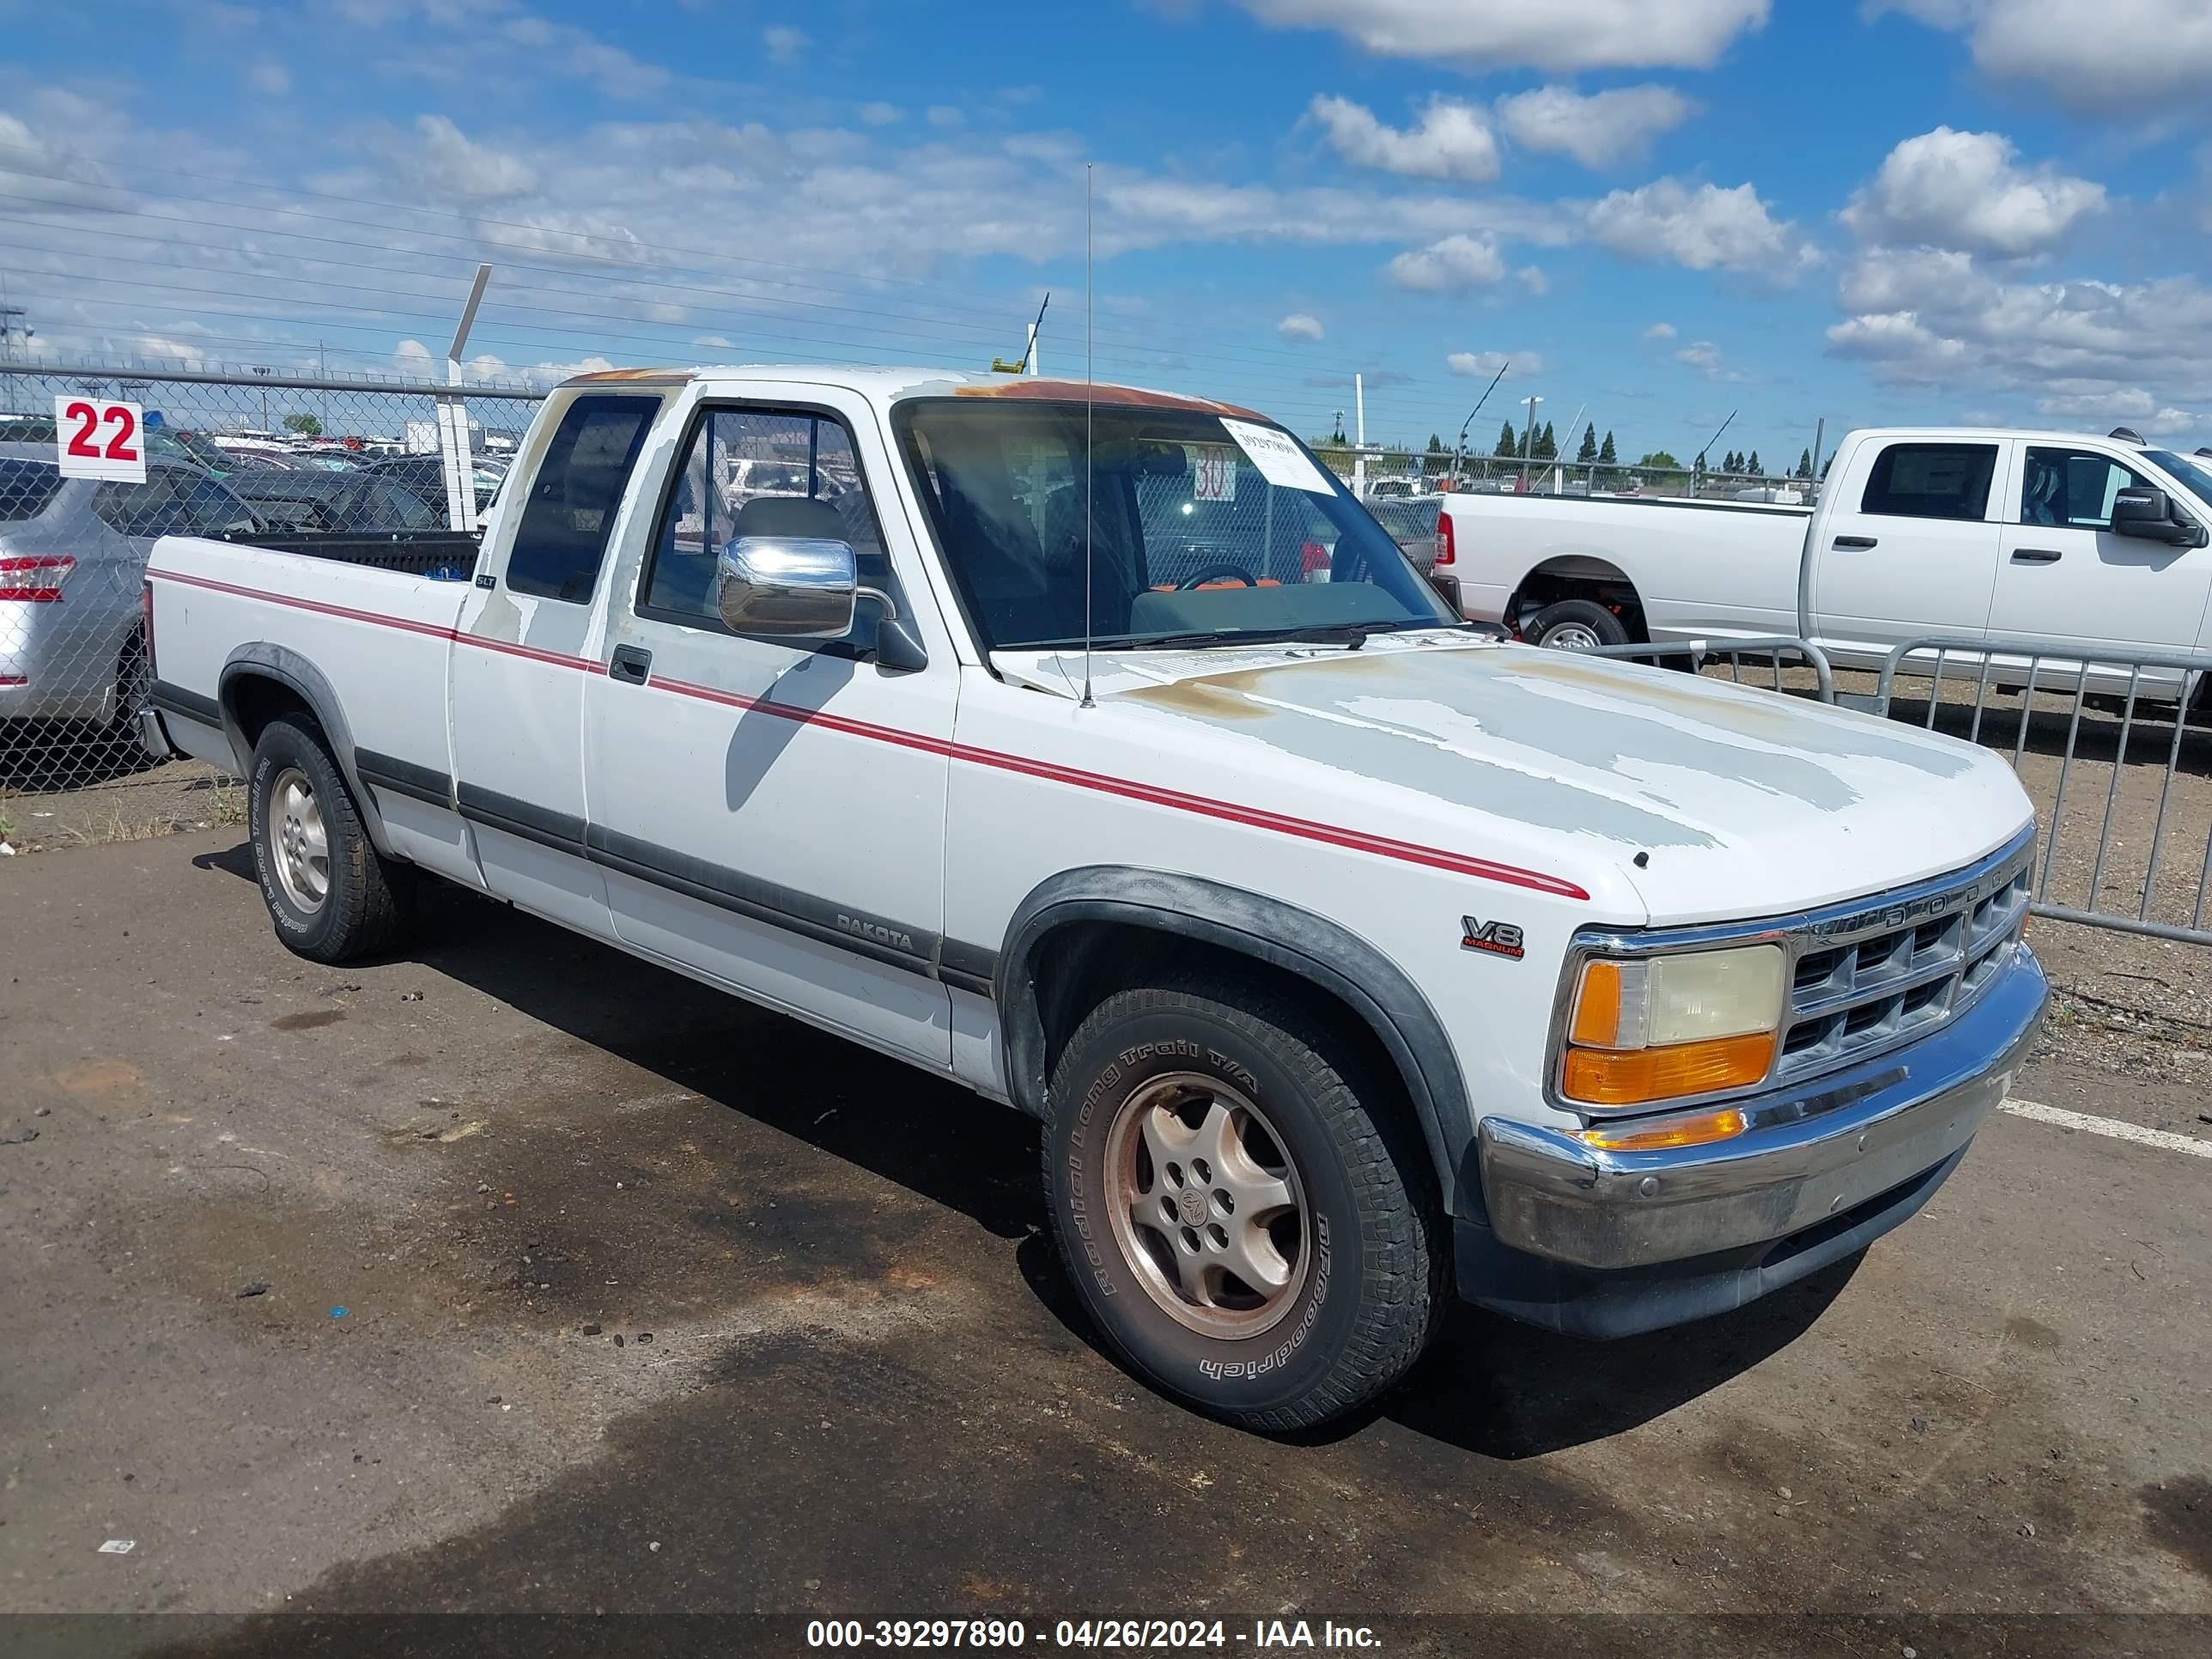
(2074, 545)
(1346, 954)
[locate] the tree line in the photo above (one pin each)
(1543, 445)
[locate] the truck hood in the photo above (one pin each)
(1745, 803)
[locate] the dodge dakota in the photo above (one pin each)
(1350, 958)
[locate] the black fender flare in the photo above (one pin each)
(1269, 929)
(263, 660)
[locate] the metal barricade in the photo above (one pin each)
(1773, 649)
(2124, 695)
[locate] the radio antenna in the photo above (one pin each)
(1089, 587)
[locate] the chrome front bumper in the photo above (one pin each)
(1813, 1152)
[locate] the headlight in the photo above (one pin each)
(1660, 1028)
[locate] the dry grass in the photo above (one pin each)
(162, 802)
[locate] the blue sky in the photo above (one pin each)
(1915, 209)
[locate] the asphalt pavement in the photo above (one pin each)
(512, 1274)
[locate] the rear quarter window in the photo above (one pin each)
(1931, 481)
(575, 496)
(27, 488)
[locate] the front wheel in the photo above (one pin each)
(331, 895)
(1241, 1205)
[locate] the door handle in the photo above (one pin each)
(630, 664)
(1854, 543)
(2035, 555)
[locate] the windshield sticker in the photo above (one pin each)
(1281, 461)
(1213, 472)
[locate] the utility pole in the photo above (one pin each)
(453, 447)
(1359, 438)
(259, 369)
(12, 327)
(1529, 440)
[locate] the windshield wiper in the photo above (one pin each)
(1351, 635)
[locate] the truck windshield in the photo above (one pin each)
(2191, 473)
(1202, 529)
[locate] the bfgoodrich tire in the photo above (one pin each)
(1239, 1203)
(331, 895)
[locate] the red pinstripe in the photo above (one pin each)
(1359, 841)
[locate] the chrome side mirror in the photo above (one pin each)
(788, 586)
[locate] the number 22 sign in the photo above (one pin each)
(96, 439)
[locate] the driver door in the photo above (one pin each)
(770, 812)
(2066, 582)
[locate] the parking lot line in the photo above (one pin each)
(2164, 1141)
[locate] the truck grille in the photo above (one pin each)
(1884, 971)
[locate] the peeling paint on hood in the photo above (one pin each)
(1747, 802)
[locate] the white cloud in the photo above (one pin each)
(1299, 325)
(1560, 35)
(1481, 365)
(2104, 408)
(447, 163)
(1921, 318)
(713, 342)
(880, 114)
(1452, 140)
(1703, 228)
(268, 76)
(38, 168)
(1660, 331)
(1706, 358)
(1533, 279)
(946, 118)
(1450, 266)
(2097, 56)
(784, 43)
(1966, 190)
(1597, 129)
(1142, 210)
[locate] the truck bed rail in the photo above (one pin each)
(442, 555)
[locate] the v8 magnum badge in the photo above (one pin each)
(1499, 938)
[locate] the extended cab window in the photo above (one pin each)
(2073, 488)
(1931, 481)
(760, 472)
(562, 539)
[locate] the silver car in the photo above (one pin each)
(72, 560)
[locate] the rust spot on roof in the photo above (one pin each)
(1076, 392)
(631, 377)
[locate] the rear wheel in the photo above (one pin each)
(331, 895)
(1575, 625)
(1240, 1204)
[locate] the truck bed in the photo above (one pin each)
(445, 555)
(1704, 570)
(298, 613)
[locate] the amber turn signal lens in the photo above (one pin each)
(1636, 1076)
(1701, 1130)
(1597, 1007)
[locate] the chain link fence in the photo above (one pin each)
(278, 459)
(1417, 472)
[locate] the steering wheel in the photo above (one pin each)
(1215, 573)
